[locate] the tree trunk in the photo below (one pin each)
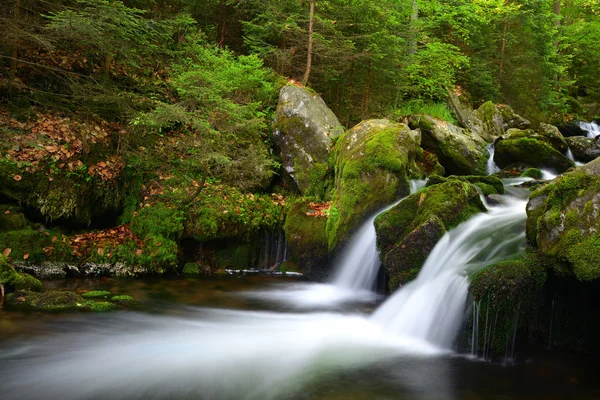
(414, 16)
(310, 42)
(223, 14)
(14, 54)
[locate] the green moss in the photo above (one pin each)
(11, 219)
(307, 241)
(24, 282)
(237, 257)
(536, 153)
(100, 306)
(122, 299)
(403, 277)
(191, 269)
(506, 283)
(585, 258)
(372, 163)
(532, 173)
(452, 202)
(96, 294)
(38, 245)
(55, 300)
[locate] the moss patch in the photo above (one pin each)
(96, 294)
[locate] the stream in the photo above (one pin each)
(239, 337)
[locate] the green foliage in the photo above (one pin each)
(191, 269)
(419, 107)
(158, 220)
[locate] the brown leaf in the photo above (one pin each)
(17, 178)
(54, 239)
(138, 252)
(25, 256)
(7, 251)
(101, 251)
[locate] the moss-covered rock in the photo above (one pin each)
(13, 280)
(583, 148)
(506, 283)
(460, 151)
(11, 218)
(563, 217)
(96, 294)
(539, 150)
(55, 300)
(191, 269)
(487, 184)
(304, 129)
(534, 173)
(306, 239)
(407, 233)
(372, 163)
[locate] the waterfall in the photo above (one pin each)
(354, 277)
(359, 263)
(431, 306)
(592, 128)
(491, 167)
(571, 157)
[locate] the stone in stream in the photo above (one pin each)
(563, 220)
(373, 161)
(407, 233)
(583, 148)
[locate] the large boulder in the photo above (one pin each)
(459, 150)
(540, 149)
(372, 163)
(304, 130)
(563, 220)
(407, 233)
(583, 148)
(489, 121)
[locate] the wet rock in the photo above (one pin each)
(563, 220)
(407, 232)
(539, 149)
(372, 162)
(583, 148)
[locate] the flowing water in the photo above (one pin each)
(354, 277)
(592, 128)
(491, 166)
(200, 340)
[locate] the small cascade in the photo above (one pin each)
(491, 167)
(430, 307)
(272, 250)
(571, 157)
(592, 128)
(475, 334)
(548, 175)
(359, 263)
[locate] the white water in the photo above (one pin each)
(355, 272)
(491, 167)
(203, 354)
(223, 354)
(431, 307)
(571, 157)
(548, 175)
(592, 128)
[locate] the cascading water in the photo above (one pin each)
(354, 276)
(491, 166)
(431, 306)
(592, 128)
(225, 354)
(359, 264)
(571, 157)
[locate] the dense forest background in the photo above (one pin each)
(140, 62)
(111, 106)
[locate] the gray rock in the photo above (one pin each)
(304, 129)
(583, 148)
(459, 150)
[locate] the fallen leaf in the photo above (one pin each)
(7, 251)
(25, 256)
(101, 251)
(17, 178)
